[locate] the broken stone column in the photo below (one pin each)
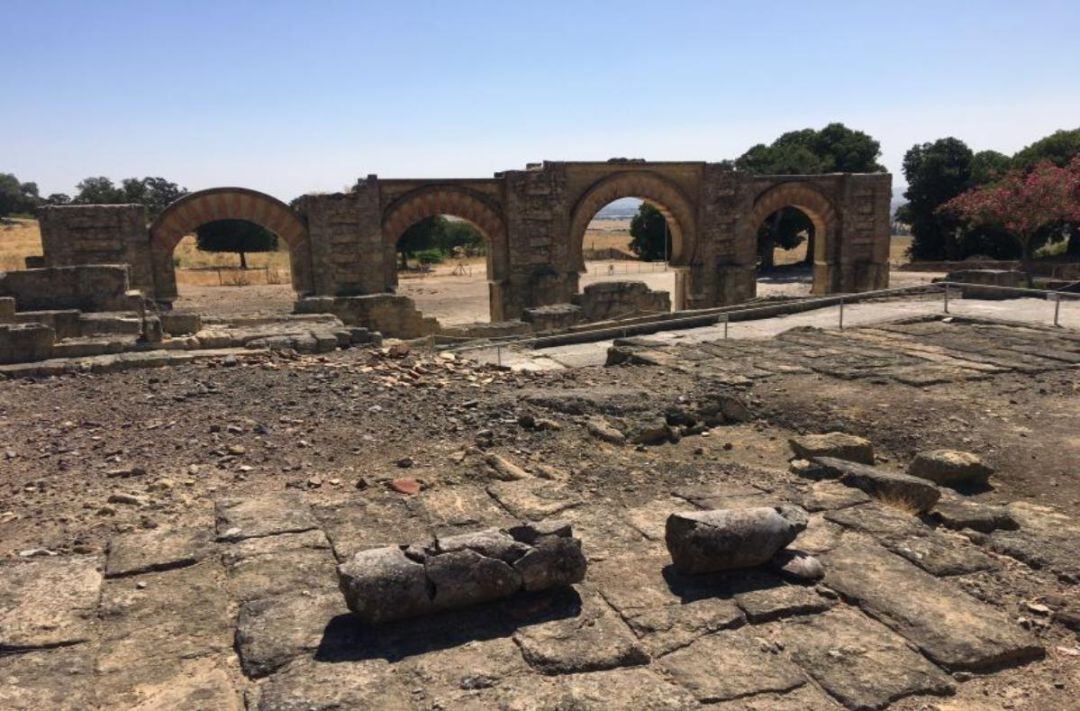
(397, 582)
(724, 539)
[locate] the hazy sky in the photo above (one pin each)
(290, 97)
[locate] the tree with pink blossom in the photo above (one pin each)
(1023, 202)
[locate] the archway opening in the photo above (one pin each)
(785, 253)
(233, 267)
(629, 240)
(442, 265)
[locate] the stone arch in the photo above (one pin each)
(462, 203)
(195, 209)
(811, 201)
(662, 193)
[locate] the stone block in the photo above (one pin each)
(48, 603)
(839, 445)
(101, 287)
(7, 309)
(180, 323)
(725, 539)
(398, 582)
(24, 343)
(901, 490)
(949, 467)
(554, 317)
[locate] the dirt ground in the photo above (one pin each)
(91, 459)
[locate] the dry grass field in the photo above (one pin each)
(19, 239)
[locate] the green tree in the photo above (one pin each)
(58, 199)
(1059, 148)
(421, 236)
(833, 149)
(98, 191)
(239, 236)
(459, 233)
(649, 236)
(936, 172)
(17, 197)
(988, 166)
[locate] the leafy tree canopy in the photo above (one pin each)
(441, 234)
(155, 193)
(239, 236)
(649, 237)
(17, 197)
(1059, 148)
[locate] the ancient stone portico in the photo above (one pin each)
(534, 221)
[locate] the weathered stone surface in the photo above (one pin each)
(200, 686)
(629, 689)
(314, 540)
(860, 662)
(878, 520)
(533, 499)
(833, 444)
(950, 627)
(48, 679)
(959, 514)
(805, 698)
(950, 467)
(382, 584)
(462, 675)
(724, 495)
(48, 603)
(768, 604)
(309, 684)
(941, 555)
(455, 571)
(280, 572)
(592, 640)
(601, 429)
(830, 495)
(456, 506)
(602, 534)
(553, 561)
(1046, 539)
(665, 629)
(820, 536)
(238, 519)
(272, 631)
(157, 549)
(372, 523)
(899, 490)
(797, 565)
(730, 664)
(504, 469)
(707, 541)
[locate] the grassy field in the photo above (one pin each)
(17, 242)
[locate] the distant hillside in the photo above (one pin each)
(621, 209)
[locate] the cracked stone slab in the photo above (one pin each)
(830, 495)
(48, 679)
(459, 506)
(861, 662)
(456, 676)
(604, 535)
(533, 499)
(942, 556)
(592, 639)
(878, 520)
(373, 523)
(649, 519)
(766, 604)
(949, 626)
(202, 685)
(237, 519)
(152, 622)
(285, 571)
(661, 619)
(805, 698)
(721, 496)
(155, 550)
(731, 664)
(310, 684)
(250, 547)
(49, 602)
(635, 688)
(820, 536)
(273, 631)
(985, 518)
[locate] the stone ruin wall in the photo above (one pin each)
(534, 220)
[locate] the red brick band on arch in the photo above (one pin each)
(192, 211)
(808, 199)
(655, 189)
(456, 202)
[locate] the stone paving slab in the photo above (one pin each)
(952, 628)
(462, 506)
(47, 603)
(237, 519)
(157, 549)
(309, 684)
(286, 571)
(48, 679)
(773, 603)
(376, 523)
(592, 639)
(731, 664)
(533, 499)
(804, 698)
(272, 631)
(860, 662)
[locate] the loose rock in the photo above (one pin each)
(833, 444)
(723, 539)
(950, 467)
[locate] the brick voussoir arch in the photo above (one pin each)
(187, 214)
(462, 203)
(807, 198)
(663, 194)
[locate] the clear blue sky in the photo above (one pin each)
(289, 97)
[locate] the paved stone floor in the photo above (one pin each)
(240, 608)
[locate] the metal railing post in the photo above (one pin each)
(946, 298)
(498, 354)
(727, 320)
(841, 313)
(1057, 309)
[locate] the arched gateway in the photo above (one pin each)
(196, 209)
